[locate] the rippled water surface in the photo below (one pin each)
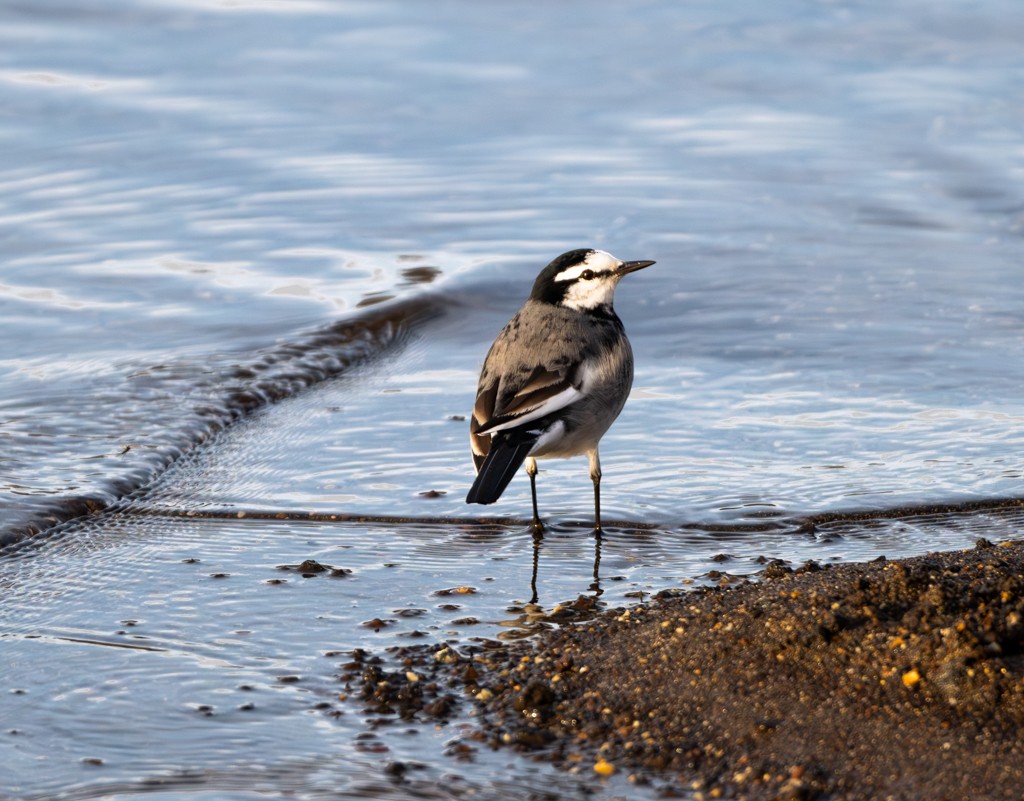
(254, 253)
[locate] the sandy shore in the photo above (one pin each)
(887, 680)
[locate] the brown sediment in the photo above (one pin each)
(887, 680)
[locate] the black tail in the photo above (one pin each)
(508, 451)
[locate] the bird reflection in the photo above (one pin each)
(595, 586)
(538, 541)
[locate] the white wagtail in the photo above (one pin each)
(556, 377)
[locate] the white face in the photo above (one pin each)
(589, 293)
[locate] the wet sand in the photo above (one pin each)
(886, 680)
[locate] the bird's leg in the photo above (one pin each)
(531, 471)
(595, 476)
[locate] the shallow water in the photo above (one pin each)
(254, 254)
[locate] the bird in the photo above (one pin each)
(555, 378)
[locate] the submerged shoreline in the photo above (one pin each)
(899, 679)
(208, 400)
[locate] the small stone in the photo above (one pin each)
(604, 768)
(455, 591)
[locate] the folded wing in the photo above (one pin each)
(501, 434)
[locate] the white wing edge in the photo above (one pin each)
(552, 404)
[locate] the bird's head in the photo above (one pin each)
(583, 279)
